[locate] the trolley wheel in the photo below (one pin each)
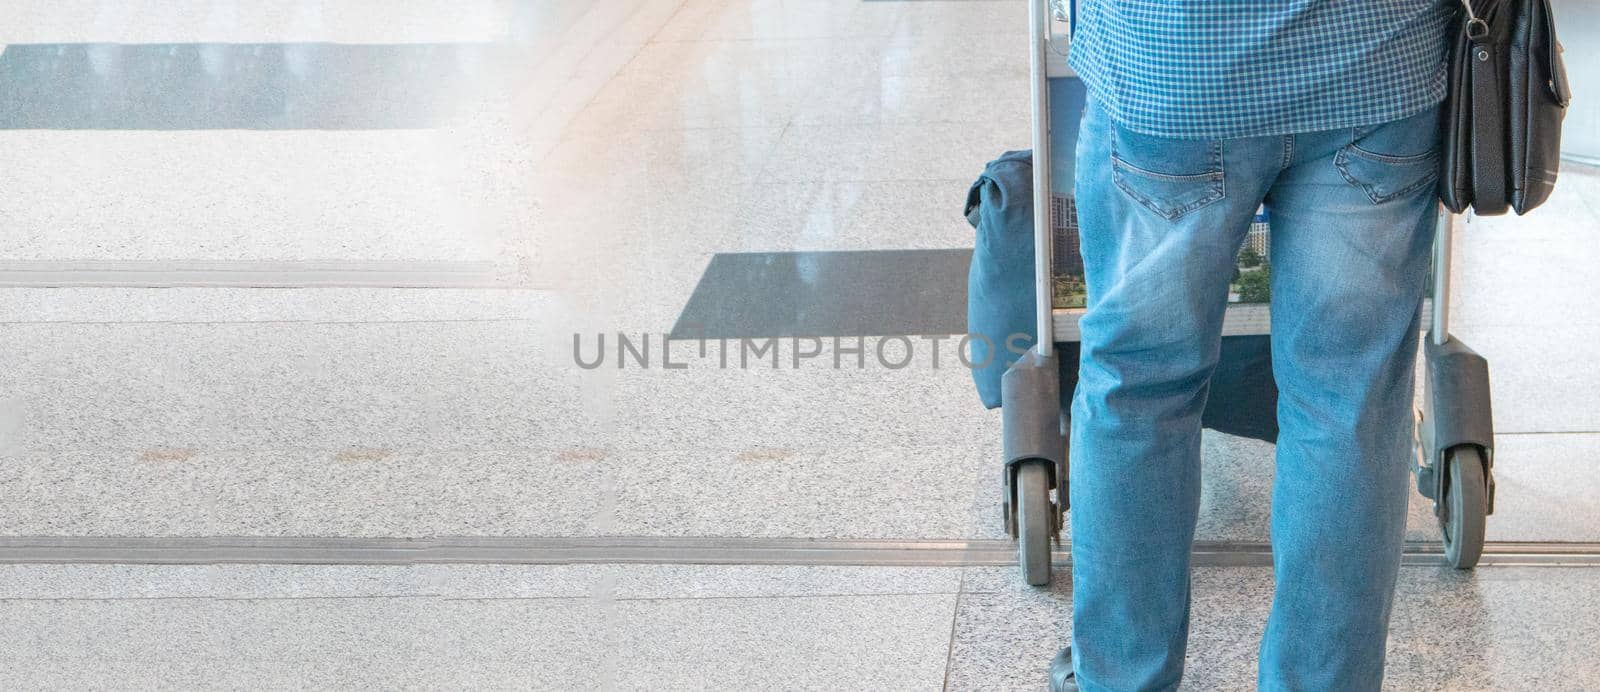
(1464, 505)
(1035, 527)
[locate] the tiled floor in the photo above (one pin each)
(412, 373)
(705, 627)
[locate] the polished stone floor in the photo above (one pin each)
(334, 291)
(712, 627)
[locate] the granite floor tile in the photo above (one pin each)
(1525, 275)
(149, 629)
(1493, 293)
(575, 64)
(1542, 379)
(857, 642)
(550, 643)
(623, 582)
(910, 492)
(268, 385)
(904, 152)
(979, 80)
(1235, 489)
(358, 492)
(642, 276)
(1007, 19)
(1007, 633)
(639, 626)
(361, 21)
(889, 99)
(711, 84)
(724, 20)
(60, 582)
(452, 424)
(1005, 636)
(655, 582)
(1236, 493)
(236, 305)
(878, 642)
(627, 252)
(670, 156)
(985, 518)
(809, 407)
(669, 104)
(904, 492)
(454, 427)
(384, 195)
(846, 215)
(1544, 488)
(1493, 629)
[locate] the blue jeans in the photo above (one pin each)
(1352, 213)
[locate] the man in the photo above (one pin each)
(1326, 111)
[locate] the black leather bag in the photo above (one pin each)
(1508, 93)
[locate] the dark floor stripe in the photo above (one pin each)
(257, 86)
(859, 293)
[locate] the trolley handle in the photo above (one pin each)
(1041, 19)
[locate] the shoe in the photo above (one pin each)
(1061, 676)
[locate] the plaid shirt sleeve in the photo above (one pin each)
(1204, 69)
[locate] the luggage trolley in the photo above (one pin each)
(1454, 439)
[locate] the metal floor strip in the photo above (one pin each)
(647, 550)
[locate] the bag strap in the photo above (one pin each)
(1490, 195)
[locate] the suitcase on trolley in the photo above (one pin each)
(1454, 440)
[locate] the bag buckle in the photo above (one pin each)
(1476, 27)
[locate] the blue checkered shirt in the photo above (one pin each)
(1203, 69)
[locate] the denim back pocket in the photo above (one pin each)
(1385, 177)
(1392, 160)
(1170, 177)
